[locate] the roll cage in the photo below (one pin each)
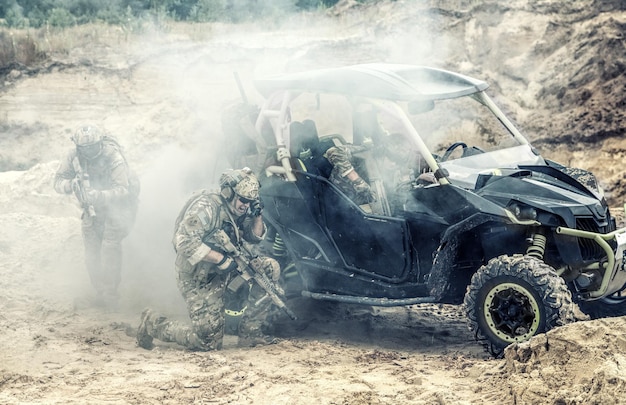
(384, 86)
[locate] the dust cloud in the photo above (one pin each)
(198, 79)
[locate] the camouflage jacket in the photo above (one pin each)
(341, 158)
(203, 214)
(108, 173)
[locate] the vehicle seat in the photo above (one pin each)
(304, 145)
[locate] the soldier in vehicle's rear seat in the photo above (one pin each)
(329, 160)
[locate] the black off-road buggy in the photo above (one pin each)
(519, 240)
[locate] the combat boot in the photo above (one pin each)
(144, 339)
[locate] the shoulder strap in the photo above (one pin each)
(220, 200)
(76, 165)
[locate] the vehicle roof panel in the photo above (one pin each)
(377, 80)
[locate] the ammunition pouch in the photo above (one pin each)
(236, 283)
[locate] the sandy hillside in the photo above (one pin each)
(556, 67)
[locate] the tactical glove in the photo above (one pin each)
(266, 265)
(360, 186)
(227, 264)
(74, 186)
(427, 178)
(256, 208)
(363, 191)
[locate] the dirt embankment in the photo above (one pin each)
(558, 67)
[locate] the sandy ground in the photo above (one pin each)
(161, 96)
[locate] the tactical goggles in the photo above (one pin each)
(90, 151)
(245, 200)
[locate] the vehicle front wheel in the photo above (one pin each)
(513, 298)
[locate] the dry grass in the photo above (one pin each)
(29, 46)
(18, 48)
(26, 47)
(63, 40)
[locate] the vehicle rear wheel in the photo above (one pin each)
(513, 298)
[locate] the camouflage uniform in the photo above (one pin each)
(114, 210)
(203, 284)
(341, 158)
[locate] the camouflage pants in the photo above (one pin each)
(204, 291)
(102, 238)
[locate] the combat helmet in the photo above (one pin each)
(88, 140)
(242, 183)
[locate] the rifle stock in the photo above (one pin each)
(242, 258)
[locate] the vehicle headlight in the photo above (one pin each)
(523, 211)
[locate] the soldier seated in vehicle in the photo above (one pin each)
(335, 162)
(305, 145)
(403, 169)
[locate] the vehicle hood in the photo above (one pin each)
(545, 188)
(520, 174)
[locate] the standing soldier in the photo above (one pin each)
(205, 270)
(98, 175)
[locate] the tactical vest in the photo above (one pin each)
(108, 142)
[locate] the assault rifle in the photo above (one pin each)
(242, 257)
(82, 181)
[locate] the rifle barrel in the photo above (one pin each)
(245, 269)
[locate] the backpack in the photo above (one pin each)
(134, 185)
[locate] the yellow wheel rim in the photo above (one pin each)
(511, 312)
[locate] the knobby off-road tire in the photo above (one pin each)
(513, 298)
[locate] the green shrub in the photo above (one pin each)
(36, 18)
(60, 17)
(64, 13)
(14, 18)
(208, 10)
